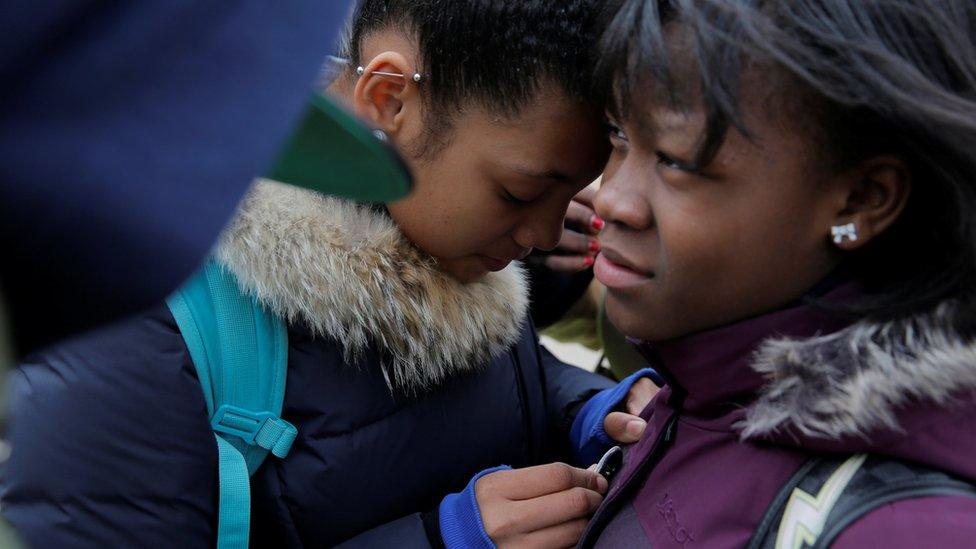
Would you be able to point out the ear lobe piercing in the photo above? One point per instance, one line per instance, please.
(381, 136)
(417, 77)
(840, 232)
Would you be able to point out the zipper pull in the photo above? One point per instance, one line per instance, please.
(611, 463)
(671, 429)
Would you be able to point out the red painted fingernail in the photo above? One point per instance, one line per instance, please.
(597, 222)
(594, 245)
(589, 261)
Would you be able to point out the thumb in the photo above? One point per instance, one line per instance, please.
(623, 427)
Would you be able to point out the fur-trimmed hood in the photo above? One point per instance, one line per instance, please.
(903, 388)
(853, 382)
(347, 272)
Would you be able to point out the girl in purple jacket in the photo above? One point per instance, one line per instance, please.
(791, 239)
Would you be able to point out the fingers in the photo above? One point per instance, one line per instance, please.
(640, 395)
(533, 482)
(625, 428)
(573, 242)
(552, 509)
(580, 218)
(586, 196)
(516, 502)
(578, 245)
(567, 263)
(567, 534)
(574, 253)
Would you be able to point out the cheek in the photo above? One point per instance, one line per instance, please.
(747, 258)
(451, 220)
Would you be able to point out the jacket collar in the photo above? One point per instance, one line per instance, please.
(348, 273)
(712, 368)
(801, 375)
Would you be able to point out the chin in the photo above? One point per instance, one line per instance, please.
(635, 320)
(466, 275)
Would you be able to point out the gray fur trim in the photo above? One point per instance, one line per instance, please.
(852, 382)
(348, 272)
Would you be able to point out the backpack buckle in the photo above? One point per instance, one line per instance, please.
(262, 429)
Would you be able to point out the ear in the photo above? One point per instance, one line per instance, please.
(380, 99)
(871, 198)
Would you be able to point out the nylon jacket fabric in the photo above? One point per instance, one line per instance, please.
(113, 447)
(402, 382)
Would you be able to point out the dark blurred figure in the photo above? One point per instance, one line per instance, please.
(129, 132)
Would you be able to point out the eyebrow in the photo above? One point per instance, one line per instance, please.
(551, 175)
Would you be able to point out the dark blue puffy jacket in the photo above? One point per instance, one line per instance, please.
(112, 446)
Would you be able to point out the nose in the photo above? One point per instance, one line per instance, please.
(541, 228)
(624, 198)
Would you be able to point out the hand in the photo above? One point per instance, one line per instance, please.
(543, 506)
(578, 246)
(627, 426)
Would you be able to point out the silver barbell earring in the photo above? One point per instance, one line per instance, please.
(417, 77)
(840, 232)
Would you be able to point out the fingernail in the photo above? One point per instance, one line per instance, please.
(597, 223)
(594, 245)
(636, 427)
(589, 261)
(601, 484)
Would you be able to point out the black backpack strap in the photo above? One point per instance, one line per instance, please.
(826, 495)
(883, 481)
(774, 513)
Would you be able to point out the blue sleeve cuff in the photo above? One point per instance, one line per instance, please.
(587, 436)
(461, 525)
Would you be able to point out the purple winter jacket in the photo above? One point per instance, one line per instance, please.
(751, 402)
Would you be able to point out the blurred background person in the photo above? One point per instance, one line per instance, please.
(129, 134)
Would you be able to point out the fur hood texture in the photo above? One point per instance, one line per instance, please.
(347, 272)
(858, 382)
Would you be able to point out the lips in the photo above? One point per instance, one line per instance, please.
(615, 272)
(493, 264)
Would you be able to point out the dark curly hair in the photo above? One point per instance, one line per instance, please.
(489, 53)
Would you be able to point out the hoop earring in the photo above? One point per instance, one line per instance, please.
(840, 232)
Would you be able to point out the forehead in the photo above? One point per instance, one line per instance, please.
(551, 133)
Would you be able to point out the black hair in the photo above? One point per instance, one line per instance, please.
(489, 53)
(873, 76)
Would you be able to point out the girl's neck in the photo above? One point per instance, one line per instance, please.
(714, 367)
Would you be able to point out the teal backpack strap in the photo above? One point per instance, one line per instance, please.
(240, 352)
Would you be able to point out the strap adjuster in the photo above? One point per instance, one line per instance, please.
(262, 429)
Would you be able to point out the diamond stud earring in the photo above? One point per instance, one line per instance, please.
(840, 232)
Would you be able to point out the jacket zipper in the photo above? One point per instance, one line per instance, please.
(531, 447)
(611, 506)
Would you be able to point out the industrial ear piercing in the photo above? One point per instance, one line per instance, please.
(417, 77)
(840, 232)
